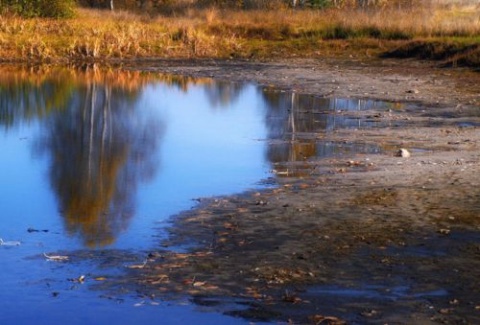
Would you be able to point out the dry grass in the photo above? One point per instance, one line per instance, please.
(214, 33)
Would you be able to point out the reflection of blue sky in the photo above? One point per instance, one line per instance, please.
(24, 196)
(336, 120)
(204, 152)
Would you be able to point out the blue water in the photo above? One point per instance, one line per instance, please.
(163, 146)
(89, 163)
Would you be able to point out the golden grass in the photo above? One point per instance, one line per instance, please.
(213, 33)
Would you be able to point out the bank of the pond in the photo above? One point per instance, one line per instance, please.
(362, 239)
(398, 80)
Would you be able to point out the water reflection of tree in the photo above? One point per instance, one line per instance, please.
(100, 149)
(286, 119)
(221, 94)
(292, 118)
(22, 100)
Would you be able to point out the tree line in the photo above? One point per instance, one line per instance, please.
(39, 8)
(246, 4)
(66, 8)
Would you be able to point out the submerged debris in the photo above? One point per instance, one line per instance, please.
(30, 230)
(9, 243)
(56, 258)
(80, 279)
(138, 266)
(330, 320)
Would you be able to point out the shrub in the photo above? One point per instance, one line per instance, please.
(57, 8)
(321, 4)
(39, 8)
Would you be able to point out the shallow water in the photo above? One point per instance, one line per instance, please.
(93, 161)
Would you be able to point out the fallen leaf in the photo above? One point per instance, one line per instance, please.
(229, 226)
(287, 297)
(444, 231)
(293, 300)
(370, 313)
(187, 281)
(326, 320)
(80, 279)
(199, 283)
(137, 266)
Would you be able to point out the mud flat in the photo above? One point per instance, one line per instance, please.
(366, 239)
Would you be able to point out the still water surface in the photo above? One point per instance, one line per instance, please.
(96, 160)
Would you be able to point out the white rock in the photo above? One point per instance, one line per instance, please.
(403, 153)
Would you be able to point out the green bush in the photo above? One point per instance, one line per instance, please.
(39, 8)
(321, 4)
(57, 8)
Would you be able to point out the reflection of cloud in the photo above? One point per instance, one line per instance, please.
(100, 149)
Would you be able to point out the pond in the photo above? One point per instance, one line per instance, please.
(97, 160)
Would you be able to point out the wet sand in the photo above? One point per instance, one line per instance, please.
(366, 239)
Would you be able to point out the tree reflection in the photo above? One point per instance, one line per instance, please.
(23, 99)
(219, 93)
(99, 145)
(100, 149)
(222, 94)
(293, 120)
(285, 122)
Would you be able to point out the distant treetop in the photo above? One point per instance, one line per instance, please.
(39, 8)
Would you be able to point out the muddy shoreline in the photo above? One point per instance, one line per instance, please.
(407, 80)
(366, 239)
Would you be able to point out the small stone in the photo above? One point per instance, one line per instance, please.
(444, 231)
(413, 91)
(445, 311)
(370, 313)
(403, 153)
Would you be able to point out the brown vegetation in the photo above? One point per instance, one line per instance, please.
(225, 33)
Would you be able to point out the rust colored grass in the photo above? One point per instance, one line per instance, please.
(214, 33)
